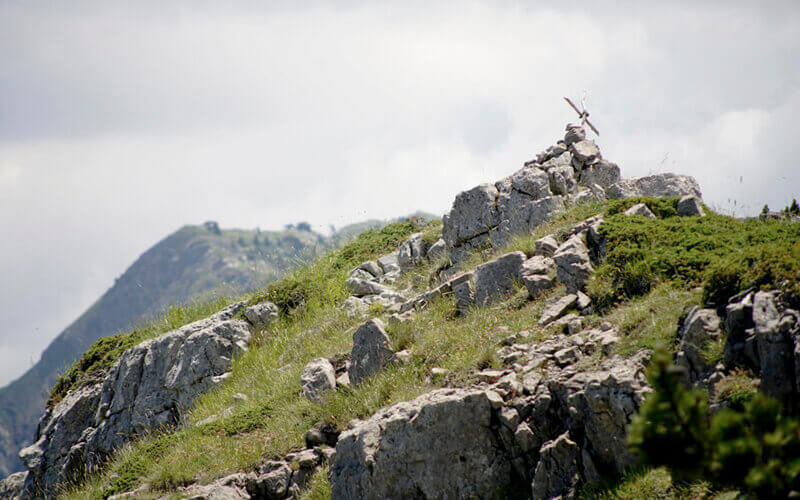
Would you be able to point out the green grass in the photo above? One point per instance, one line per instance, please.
(652, 484)
(275, 417)
(104, 352)
(719, 253)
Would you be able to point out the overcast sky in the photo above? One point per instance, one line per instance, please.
(122, 121)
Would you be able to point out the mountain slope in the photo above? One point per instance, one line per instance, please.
(192, 261)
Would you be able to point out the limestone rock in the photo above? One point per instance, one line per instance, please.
(641, 210)
(149, 387)
(538, 274)
(573, 263)
(603, 173)
(654, 185)
(690, 205)
(557, 473)
(464, 291)
(775, 333)
(546, 246)
(562, 160)
(439, 445)
(360, 287)
(585, 151)
(496, 278)
(562, 180)
(701, 327)
(11, 486)
(372, 268)
(371, 351)
(474, 212)
(575, 133)
(233, 487)
(556, 309)
(318, 377)
(437, 250)
(531, 181)
(273, 482)
(389, 263)
(261, 314)
(411, 252)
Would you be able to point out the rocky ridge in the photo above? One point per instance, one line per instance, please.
(555, 416)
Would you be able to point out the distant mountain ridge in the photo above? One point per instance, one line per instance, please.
(192, 261)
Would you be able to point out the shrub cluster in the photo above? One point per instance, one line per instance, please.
(754, 447)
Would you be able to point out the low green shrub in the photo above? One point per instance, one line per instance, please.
(753, 448)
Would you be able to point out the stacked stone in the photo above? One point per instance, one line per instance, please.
(569, 172)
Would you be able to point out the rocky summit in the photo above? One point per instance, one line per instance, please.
(561, 333)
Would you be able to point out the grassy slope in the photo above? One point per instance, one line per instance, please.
(276, 416)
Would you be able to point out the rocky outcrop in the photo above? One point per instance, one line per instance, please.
(440, 445)
(150, 387)
(490, 213)
(573, 263)
(700, 328)
(11, 487)
(655, 185)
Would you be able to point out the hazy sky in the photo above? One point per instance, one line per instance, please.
(122, 121)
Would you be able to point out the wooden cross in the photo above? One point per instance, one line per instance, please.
(583, 115)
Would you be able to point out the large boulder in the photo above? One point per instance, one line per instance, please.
(573, 263)
(439, 445)
(371, 351)
(690, 205)
(585, 151)
(496, 278)
(562, 180)
(657, 185)
(150, 387)
(474, 212)
(318, 377)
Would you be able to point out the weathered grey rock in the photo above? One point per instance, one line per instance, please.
(318, 377)
(538, 274)
(11, 486)
(233, 487)
(372, 268)
(439, 445)
(654, 185)
(562, 160)
(562, 180)
(361, 274)
(360, 288)
(641, 210)
(496, 278)
(371, 351)
(690, 205)
(389, 263)
(775, 333)
(584, 301)
(355, 306)
(150, 387)
(573, 263)
(273, 482)
(474, 212)
(603, 174)
(575, 133)
(464, 292)
(437, 250)
(546, 246)
(556, 309)
(261, 314)
(585, 151)
(700, 328)
(740, 343)
(557, 473)
(531, 181)
(411, 252)
(544, 210)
